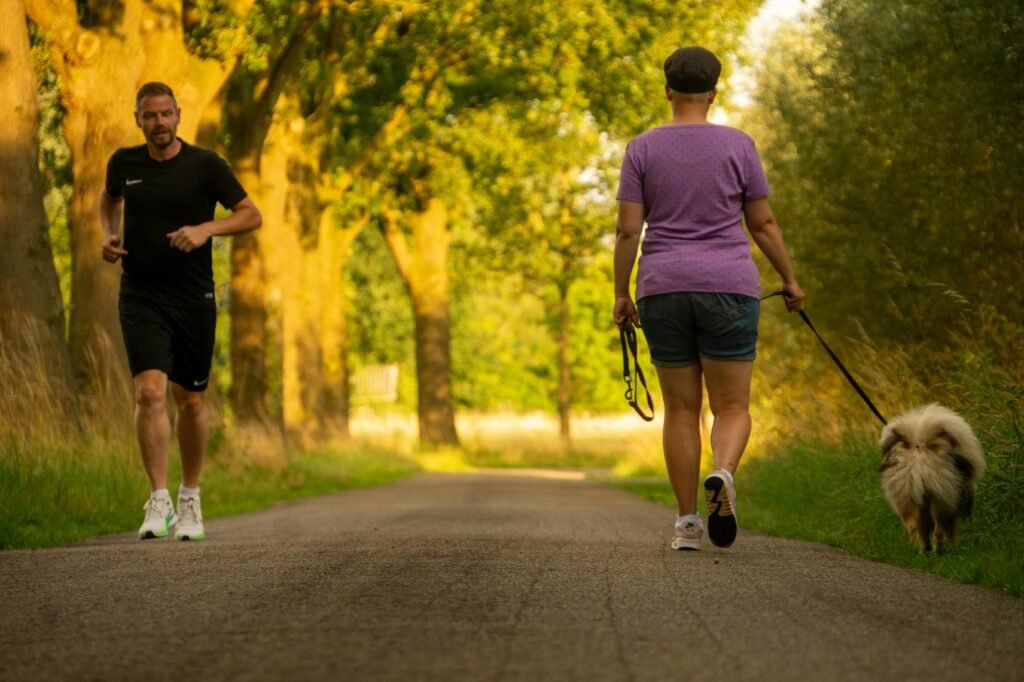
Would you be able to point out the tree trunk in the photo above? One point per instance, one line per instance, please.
(307, 263)
(425, 271)
(564, 368)
(305, 271)
(99, 77)
(248, 310)
(314, 333)
(333, 249)
(436, 416)
(249, 111)
(292, 217)
(31, 310)
(281, 264)
(565, 243)
(97, 348)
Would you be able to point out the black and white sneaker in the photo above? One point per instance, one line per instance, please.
(721, 498)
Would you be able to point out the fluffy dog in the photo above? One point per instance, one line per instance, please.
(931, 463)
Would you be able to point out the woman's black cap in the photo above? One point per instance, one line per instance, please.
(692, 69)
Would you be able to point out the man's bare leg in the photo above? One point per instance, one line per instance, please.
(152, 427)
(193, 432)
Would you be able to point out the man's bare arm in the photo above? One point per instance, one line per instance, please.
(245, 217)
(110, 220)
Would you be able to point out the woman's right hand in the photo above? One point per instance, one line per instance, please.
(625, 312)
(793, 295)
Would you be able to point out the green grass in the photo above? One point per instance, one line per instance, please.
(56, 496)
(831, 495)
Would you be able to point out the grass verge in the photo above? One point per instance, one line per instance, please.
(830, 494)
(55, 496)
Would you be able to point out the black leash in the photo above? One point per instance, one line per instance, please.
(835, 359)
(627, 336)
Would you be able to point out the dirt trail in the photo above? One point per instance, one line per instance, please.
(485, 577)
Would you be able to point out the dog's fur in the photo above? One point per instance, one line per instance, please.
(931, 463)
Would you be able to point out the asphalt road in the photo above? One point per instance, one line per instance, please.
(486, 577)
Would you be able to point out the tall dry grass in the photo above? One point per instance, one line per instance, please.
(52, 441)
(974, 369)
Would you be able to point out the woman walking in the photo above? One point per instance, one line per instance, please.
(697, 287)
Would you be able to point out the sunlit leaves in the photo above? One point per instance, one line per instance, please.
(892, 131)
(213, 30)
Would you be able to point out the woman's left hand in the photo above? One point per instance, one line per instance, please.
(793, 295)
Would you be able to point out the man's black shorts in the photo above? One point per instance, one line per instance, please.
(177, 340)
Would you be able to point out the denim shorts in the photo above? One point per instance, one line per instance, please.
(683, 327)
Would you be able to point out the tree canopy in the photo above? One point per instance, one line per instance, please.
(437, 180)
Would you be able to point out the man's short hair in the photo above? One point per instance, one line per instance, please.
(154, 88)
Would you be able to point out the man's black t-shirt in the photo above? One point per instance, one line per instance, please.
(161, 197)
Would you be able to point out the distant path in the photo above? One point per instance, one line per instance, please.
(486, 576)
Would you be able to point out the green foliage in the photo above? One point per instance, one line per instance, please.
(892, 136)
(596, 354)
(379, 315)
(212, 30)
(493, 103)
(503, 355)
(900, 163)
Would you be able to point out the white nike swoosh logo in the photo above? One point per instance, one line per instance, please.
(132, 182)
(199, 383)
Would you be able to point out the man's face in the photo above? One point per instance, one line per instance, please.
(158, 117)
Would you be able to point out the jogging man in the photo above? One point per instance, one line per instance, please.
(697, 286)
(168, 190)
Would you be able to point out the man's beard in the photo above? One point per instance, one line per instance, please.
(152, 139)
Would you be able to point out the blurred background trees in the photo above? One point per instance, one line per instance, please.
(892, 132)
(437, 180)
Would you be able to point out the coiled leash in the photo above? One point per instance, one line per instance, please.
(835, 359)
(627, 337)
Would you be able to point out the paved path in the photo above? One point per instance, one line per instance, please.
(486, 577)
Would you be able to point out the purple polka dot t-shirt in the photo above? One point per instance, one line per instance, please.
(692, 181)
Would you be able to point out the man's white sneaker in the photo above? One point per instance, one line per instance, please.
(720, 495)
(190, 520)
(689, 531)
(159, 518)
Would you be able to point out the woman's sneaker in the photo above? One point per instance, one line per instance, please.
(721, 498)
(689, 531)
(159, 518)
(190, 520)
